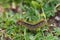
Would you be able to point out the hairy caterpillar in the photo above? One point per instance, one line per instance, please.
(30, 26)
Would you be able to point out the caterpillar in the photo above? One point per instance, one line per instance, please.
(31, 26)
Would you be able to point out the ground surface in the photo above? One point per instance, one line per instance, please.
(30, 20)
